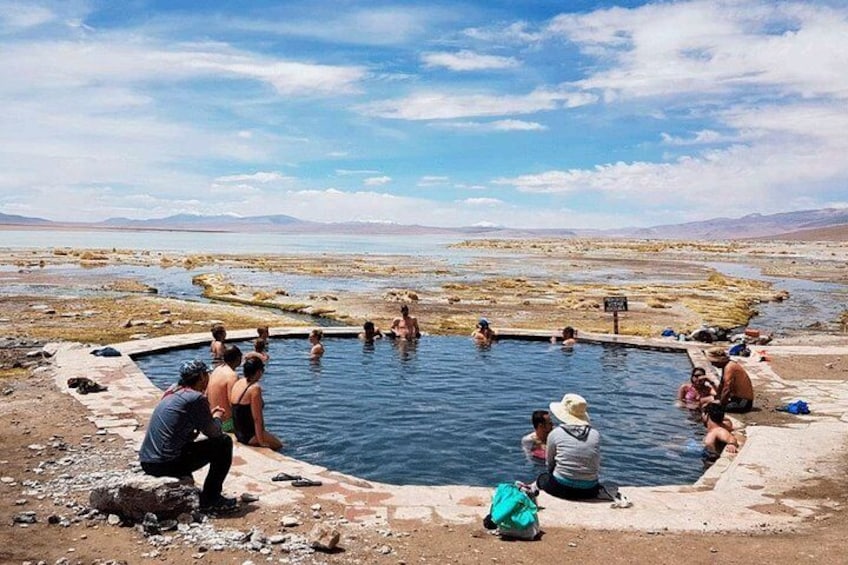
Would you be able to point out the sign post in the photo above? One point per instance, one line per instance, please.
(615, 304)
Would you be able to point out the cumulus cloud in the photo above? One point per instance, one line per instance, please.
(15, 16)
(445, 106)
(702, 137)
(352, 172)
(666, 48)
(377, 181)
(467, 61)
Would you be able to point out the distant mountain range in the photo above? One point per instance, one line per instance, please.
(826, 223)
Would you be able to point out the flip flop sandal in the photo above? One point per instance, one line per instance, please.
(286, 477)
(306, 483)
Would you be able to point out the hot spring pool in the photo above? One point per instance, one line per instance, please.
(445, 411)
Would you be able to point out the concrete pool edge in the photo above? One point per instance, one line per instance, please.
(730, 496)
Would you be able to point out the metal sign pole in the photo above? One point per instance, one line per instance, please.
(615, 322)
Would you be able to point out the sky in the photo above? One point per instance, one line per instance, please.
(534, 114)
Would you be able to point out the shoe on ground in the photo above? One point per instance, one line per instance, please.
(219, 504)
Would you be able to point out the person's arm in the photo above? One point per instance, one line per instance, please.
(257, 407)
(550, 453)
(681, 392)
(417, 332)
(726, 385)
(206, 422)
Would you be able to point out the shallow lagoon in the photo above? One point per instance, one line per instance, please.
(444, 411)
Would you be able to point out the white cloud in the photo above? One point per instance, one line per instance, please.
(432, 180)
(482, 201)
(795, 159)
(497, 125)
(445, 106)
(517, 32)
(260, 177)
(667, 48)
(351, 172)
(22, 15)
(467, 61)
(377, 181)
(702, 137)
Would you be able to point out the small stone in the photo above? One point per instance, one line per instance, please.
(277, 539)
(7, 480)
(53, 519)
(572, 544)
(113, 520)
(25, 518)
(289, 521)
(713, 550)
(324, 537)
(198, 555)
(36, 447)
(247, 497)
(316, 507)
(385, 550)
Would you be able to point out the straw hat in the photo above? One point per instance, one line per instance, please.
(571, 410)
(717, 355)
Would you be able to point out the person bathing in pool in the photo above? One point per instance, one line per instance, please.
(217, 348)
(317, 347)
(698, 391)
(221, 382)
(568, 337)
(405, 327)
(248, 408)
(534, 444)
(483, 333)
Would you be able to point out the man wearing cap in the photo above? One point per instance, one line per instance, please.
(483, 333)
(406, 327)
(169, 449)
(573, 452)
(735, 391)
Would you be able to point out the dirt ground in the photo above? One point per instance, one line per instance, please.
(95, 318)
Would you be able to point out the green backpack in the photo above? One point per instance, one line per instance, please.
(514, 513)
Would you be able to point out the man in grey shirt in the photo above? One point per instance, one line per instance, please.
(573, 452)
(169, 449)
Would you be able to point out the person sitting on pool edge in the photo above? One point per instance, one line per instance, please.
(217, 348)
(534, 444)
(405, 327)
(221, 383)
(169, 449)
(573, 455)
(317, 347)
(248, 408)
(568, 337)
(483, 333)
(370, 332)
(735, 391)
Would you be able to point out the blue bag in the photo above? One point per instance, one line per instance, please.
(514, 513)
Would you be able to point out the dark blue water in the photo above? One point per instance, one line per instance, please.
(444, 411)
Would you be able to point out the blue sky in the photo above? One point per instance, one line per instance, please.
(511, 113)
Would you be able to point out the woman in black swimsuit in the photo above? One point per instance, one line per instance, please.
(246, 398)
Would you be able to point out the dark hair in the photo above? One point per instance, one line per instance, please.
(262, 331)
(538, 417)
(715, 412)
(404, 309)
(253, 366)
(219, 331)
(318, 334)
(567, 332)
(232, 355)
(260, 344)
(368, 326)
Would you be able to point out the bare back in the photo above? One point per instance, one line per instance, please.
(221, 382)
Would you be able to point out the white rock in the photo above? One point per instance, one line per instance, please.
(289, 521)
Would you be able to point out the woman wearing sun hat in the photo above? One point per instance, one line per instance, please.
(573, 453)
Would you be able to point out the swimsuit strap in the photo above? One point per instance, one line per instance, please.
(242, 393)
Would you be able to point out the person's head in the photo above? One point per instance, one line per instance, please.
(260, 345)
(219, 332)
(567, 332)
(572, 410)
(541, 420)
(368, 328)
(253, 369)
(697, 374)
(483, 324)
(717, 356)
(714, 412)
(262, 332)
(232, 356)
(194, 374)
(404, 310)
(316, 335)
